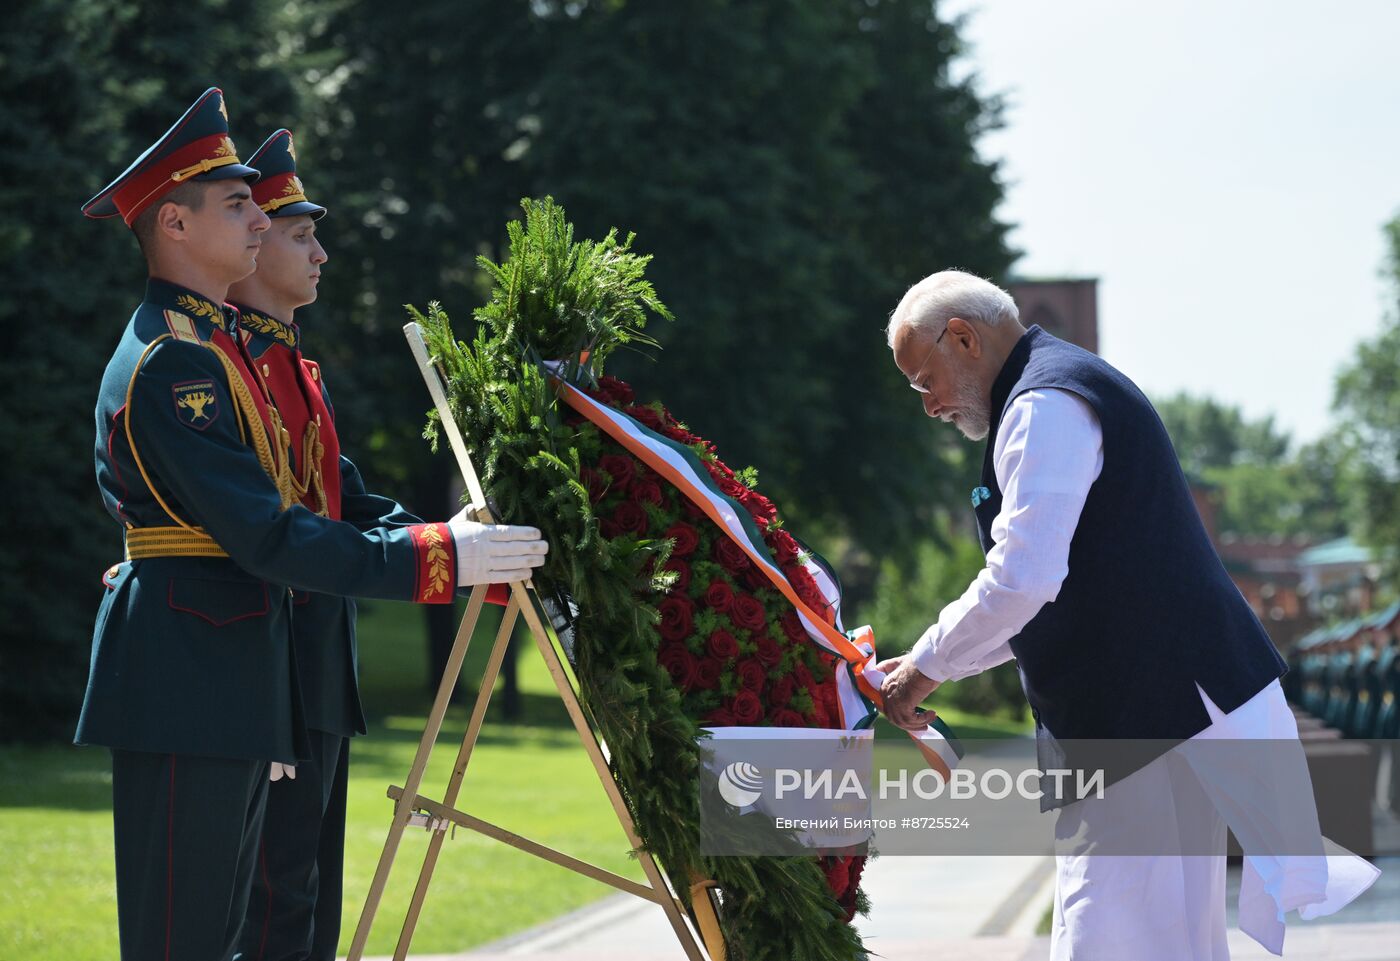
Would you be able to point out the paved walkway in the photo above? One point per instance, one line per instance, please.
(990, 914)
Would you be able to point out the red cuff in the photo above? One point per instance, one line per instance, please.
(437, 563)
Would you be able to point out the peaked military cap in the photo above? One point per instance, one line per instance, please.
(196, 148)
(280, 192)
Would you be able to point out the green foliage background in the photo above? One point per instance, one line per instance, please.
(784, 161)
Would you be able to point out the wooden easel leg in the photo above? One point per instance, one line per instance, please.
(459, 770)
(655, 878)
(404, 808)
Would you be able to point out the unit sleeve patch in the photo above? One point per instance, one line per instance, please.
(196, 403)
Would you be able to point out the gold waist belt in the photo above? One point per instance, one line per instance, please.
(143, 542)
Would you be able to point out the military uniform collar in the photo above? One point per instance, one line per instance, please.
(205, 314)
(265, 325)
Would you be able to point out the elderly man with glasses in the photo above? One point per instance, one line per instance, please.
(1103, 585)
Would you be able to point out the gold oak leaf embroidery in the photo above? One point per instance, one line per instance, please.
(201, 308)
(291, 149)
(293, 187)
(226, 148)
(266, 325)
(437, 563)
(195, 403)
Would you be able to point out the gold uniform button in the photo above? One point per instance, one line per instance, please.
(267, 371)
(114, 570)
(315, 373)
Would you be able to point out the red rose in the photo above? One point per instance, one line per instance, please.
(620, 467)
(792, 627)
(719, 717)
(630, 518)
(722, 645)
(747, 613)
(751, 674)
(608, 528)
(677, 618)
(838, 876)
(682, 436)
(692, 509)
(785, 717)
(618, 392)
(746, 708)
(646, 491)
(686, 537)
(646, 416)
(804, 677)
(857, 866)
(730, 556)
(679, 663)
(754, 579)
(783, 690)
(807, 590)
(719, 596)
(717, 467)
(730, 487)
(760, 507)
(596, 483)
(707, 673)
(682, 570)
(784, 546)
(769, 653)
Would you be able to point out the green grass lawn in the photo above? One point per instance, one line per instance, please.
(57, 894)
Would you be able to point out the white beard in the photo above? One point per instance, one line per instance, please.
(973, 417)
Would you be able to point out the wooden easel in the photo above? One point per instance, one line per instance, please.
(411, 807)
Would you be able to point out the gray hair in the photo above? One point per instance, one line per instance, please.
(940, 297)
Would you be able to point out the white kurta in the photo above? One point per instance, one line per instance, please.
(1048, 453)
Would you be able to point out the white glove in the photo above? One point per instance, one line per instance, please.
(495, 553)
(276, 770)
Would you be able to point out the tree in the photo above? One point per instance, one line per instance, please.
(784, 161)
(1208, 434)
(1368, 395)
(412, 148)
(1264, 487)
(86, 86)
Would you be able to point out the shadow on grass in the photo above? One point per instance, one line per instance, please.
(61, 776)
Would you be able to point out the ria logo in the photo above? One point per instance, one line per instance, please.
(740, 784)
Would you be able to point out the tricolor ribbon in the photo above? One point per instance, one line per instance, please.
(858, 686)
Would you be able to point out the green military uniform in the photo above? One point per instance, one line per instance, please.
(193, 680)
(294, 911)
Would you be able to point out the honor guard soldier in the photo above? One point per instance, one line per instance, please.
(193, 682)
(294, 911)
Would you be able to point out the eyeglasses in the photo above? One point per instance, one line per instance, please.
(914, 381)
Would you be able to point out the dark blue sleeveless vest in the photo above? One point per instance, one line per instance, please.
(1147, 610)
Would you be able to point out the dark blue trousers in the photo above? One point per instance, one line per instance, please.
(186, 829)
(294, 911)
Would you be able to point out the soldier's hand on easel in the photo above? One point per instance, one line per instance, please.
(495, 553)
(277, 770)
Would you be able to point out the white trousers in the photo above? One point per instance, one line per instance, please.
(1165, 907)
